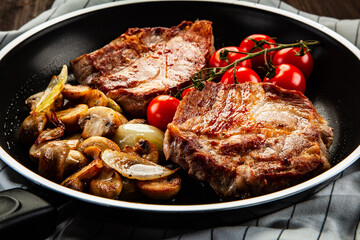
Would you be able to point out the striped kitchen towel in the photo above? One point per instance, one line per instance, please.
(332, 213)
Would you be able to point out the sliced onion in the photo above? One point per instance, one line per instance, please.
(134, 167)
(52, 91)
(130, 134)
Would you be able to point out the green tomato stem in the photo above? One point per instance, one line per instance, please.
(279, 46)
(214, 72)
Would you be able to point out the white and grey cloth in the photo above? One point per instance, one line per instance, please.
(332, 213)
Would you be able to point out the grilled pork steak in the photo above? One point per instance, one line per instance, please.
(145, 62)
(248, 139)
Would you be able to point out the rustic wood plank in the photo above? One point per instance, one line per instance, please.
(342, 9)
(15, 13)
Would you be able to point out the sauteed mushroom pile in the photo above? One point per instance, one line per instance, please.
(80, 139)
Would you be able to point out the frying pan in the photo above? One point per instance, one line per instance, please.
(27, 64)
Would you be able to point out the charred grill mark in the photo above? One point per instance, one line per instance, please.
(241, 146)
(242, 153)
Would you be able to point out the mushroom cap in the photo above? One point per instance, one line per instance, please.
(52, 160)
(100, 121)
(74, 93)
(107, 183)
(31, 128)
(94, 98)
(70, 117)
(101, 142)
(79, 180)
(162, 188)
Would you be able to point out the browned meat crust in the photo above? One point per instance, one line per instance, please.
(145, 62)
(248, 139)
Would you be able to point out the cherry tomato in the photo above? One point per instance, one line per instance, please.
(161, 111)
(304, 63)
(215, 60)
(248, 45)
(186, 91)
(288, 76)
(243, 74)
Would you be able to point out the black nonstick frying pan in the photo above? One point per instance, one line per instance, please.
(27, 64)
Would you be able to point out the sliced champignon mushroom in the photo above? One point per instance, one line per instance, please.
(93, 152)
(52, 133)
(75, 92)
(52, 160)
(100, 121)
(93, 146)
(70, 117)
(94, 98)
(74, 161)
(88, 96)
(36, 151)
(80, 180)
(73, 140)
(160, 189)
(73, 156)
(31, 127)
(134, 167)
(130, 192)
(107, 183)
(101, 142)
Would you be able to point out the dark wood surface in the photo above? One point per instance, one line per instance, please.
(15, 13)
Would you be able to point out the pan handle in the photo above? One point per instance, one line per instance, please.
(23, 213)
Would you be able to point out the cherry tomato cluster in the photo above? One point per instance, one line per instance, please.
(288, 68)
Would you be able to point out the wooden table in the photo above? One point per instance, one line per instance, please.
(15, 13)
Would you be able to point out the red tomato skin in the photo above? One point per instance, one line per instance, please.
(243, 74)
(289, 77)
(215, 60)
(304, 63)
(247, 45)
(161, 111)
(186, 91)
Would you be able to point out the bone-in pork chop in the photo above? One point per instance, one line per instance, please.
(145, 62)
(248, 139)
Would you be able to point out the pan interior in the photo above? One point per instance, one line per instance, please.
(28, 67)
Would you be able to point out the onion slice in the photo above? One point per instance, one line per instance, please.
(134, 167)
(129, 134)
